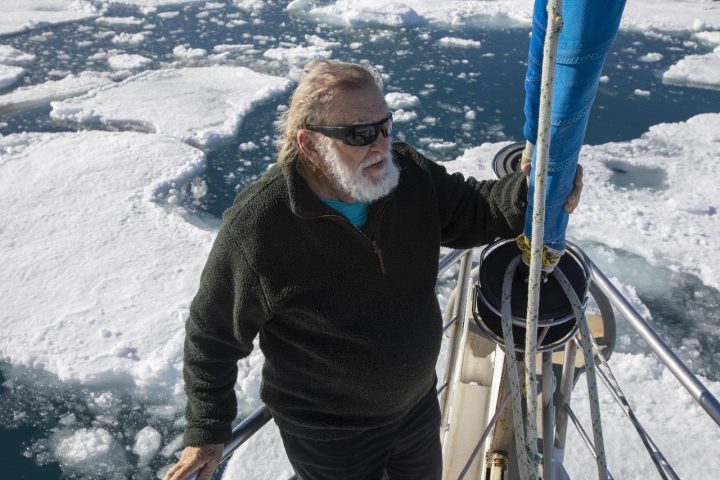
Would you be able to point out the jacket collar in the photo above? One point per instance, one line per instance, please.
(305, 203)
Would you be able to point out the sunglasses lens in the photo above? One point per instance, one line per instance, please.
(362, 135)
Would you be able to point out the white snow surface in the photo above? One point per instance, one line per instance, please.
(102, 273)
(701, 71)
(675, 225)
(22, 15)
(640, 15)
(262, 457)
(9, 75)
(200, 105)
(44, 93)
(13, 56)
(673, 419)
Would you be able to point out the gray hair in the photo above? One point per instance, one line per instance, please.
(321, 82)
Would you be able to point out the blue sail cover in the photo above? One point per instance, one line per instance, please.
(589, 29)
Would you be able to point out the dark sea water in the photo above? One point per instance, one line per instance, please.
(449, 82)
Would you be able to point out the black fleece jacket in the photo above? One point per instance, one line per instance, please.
(348, 318)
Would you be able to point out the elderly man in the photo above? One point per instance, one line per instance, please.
(331, 258)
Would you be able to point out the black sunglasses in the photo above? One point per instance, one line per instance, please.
(357, 135)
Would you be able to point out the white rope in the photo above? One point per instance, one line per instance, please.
(513, 374)
(552, 36)
(587, 349)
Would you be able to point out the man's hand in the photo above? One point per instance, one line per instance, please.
(204, 458)
(572, 201)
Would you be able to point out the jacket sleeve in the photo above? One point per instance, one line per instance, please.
(225, 316)
(476, 212)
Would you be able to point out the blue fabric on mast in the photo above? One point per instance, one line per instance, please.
(589, 30)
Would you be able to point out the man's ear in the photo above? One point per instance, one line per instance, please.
(308, 146)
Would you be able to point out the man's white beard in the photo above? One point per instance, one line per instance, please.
(359, 185)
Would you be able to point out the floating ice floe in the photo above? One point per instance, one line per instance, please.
(651, 57)
(147, 444)
(9, 75)
(102, 273)
(22, 15)
(186, 53)
(397, 100)
(299, 55)
(119, 21)
(640, 15)
(250, 5)
(151, 4)
(708, 38)
(458, 42)
(672, 222)
(13, 56)
(126, 61)
(701, 71)
(44, 93)
(199, 105)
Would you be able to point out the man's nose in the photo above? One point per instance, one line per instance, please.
(381, 143)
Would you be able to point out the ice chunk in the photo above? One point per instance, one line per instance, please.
(126, 61)
(13, 56)
(200, 105)
(299, 55)
(701, 71)
(651, 57)
(397, 100)
(708, 38)
(458, 42)
(19, 16)
(147, 443)
(9, 75)
(185, 52)
(88, 451)
(119, 21)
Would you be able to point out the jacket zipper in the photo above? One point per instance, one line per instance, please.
(377, 250)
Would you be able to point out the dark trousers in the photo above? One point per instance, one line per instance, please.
(408, 449)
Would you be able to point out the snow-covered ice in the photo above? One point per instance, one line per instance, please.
(299, 55)
(125, 61)
(263, 456)
(397, 100)
(459, 42)
(200, 105)
(19, 16)
(13, 56)
(673, 223)
(147, 444)
(9, 75)
(44, 93)
(92, 250)
(675, 422)
(640, 15)
(119, 20)
(701, 71)
(88, 450)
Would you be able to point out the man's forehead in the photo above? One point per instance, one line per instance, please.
(361, 106)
